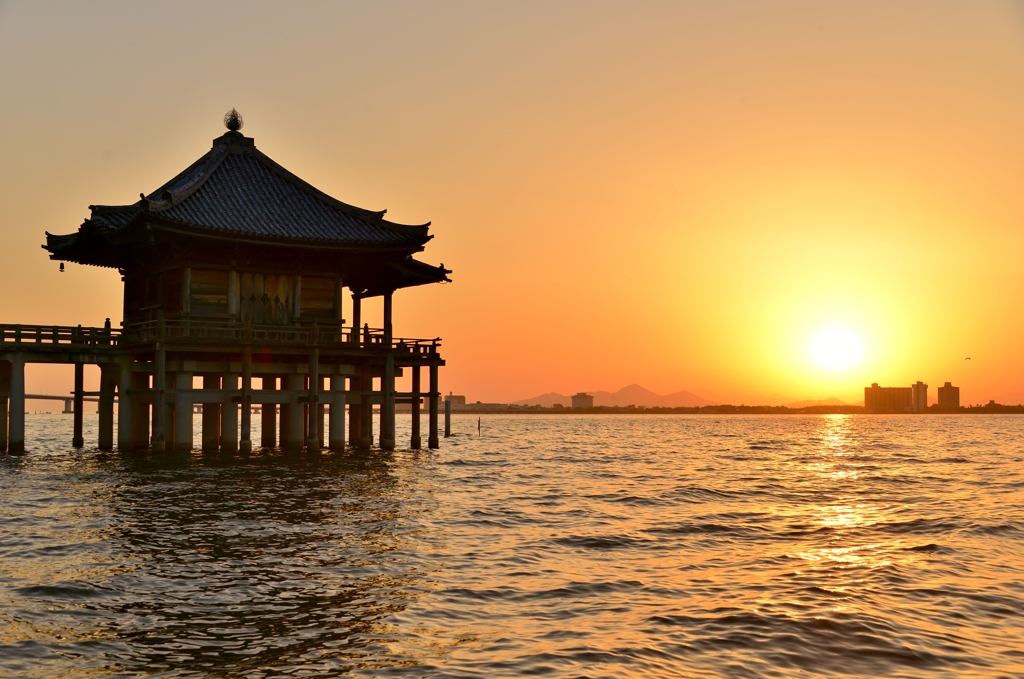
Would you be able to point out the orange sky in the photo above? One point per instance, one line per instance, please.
(682, 195)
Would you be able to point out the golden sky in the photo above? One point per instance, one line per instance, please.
(686, 195)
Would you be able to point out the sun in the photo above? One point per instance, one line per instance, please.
(837, 349)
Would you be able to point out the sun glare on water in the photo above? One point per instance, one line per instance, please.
(837, 349)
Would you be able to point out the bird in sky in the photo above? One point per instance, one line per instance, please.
(968, 358)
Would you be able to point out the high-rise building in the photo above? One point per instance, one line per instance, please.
(888, 399)
(949, 396)
(919, 394)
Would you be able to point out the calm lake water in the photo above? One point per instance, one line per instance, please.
(561, 546)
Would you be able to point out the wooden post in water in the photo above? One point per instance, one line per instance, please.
(432, 441)
(245, 446)
(313, 417)
(140, 410)
(291, 413)
(183, 412)
(5, 393)
(159, 444)
(16, 430)
(125, 404)
(77, 439)
(268, 415)
(336, 425)
(108, 383)
(211, 415)
(447, 417)
(414, 440)
(229, 415)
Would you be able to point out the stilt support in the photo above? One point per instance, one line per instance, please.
(77, 439)
(432, 441)
(414, 441)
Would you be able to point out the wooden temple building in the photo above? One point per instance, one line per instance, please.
(235, 272)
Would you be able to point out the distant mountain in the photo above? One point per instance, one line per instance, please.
(633, 394)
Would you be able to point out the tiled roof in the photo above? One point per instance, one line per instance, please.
(235, 190)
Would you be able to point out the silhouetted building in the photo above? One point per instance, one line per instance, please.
(888, 399)
(582, 400)
(919, 396)
(456, 400)
(949, 396)
(235, 271)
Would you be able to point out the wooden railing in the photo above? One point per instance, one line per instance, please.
(336, 336)
(333, 336)
(64, 335)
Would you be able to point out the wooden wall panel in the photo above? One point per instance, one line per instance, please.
(208, 293)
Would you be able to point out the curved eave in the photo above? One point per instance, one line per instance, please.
(174, 226)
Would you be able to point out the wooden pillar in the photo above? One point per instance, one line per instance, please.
(357, 314)
(159, 444)
(233, 294)
(447, 417)
(321, 411)
(355, 412)
(291, 414)
(387, 383)
(245, 446)
(16, 416)
(5, 394)
(229, 415)
(366, 412)
(183, 412)
(140, 410)
(387, 407)
(313, 410)
(211, 416)
(336, 428)
(339, 287)
(296, 298)
(108, 383)
(77, 439)
(432, 441)
(415, 441)
(186, 290)
(125, 404)
(268, 415)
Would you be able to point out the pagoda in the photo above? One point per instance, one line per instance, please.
(236, 270)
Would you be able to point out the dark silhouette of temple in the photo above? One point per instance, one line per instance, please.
(236, 269)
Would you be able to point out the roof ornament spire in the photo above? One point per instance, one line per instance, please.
(233, 120)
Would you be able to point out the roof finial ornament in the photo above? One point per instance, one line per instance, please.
(233, 120)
